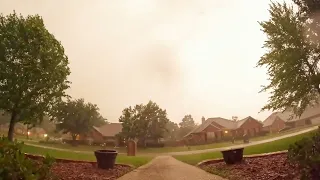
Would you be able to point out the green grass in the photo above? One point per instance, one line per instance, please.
(131, 160)
(278, 145)
(154, 151)
(141, 151)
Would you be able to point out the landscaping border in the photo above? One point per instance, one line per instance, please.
(210, 161)
(94, 164)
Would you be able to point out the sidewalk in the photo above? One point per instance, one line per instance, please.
(241, 145)
(168, 168)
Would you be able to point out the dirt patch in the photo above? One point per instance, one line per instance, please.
(275, 167)
(86, 171)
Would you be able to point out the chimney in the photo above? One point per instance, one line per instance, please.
(203, 120)
(234, 118)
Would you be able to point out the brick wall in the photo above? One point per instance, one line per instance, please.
(251, 127)
(276, 126)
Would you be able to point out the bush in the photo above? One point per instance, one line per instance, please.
(15, 166)
(49, 142)
(306, 153)
(154, 145)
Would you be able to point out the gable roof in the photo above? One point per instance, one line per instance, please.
(242, 121)
(270, 119)
(109, 130)
(225, 123)
(310, 112)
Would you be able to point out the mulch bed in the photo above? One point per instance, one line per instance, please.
(273, 167)
(86, 171)
(80, 170)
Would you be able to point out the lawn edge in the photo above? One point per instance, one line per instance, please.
(93, 163)
(210, 161)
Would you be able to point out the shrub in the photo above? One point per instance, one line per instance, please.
(306, 153)
(50, 142)
(15, 166)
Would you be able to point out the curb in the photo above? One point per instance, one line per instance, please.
(211, 161)
(93, 163)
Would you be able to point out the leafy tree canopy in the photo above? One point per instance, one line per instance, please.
(144, 121)
(186, 125)
(172, 132)
(292, 59)
(33, 69)
(76, 117)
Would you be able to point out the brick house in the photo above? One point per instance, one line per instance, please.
(273, 123)
(215, 129)
(310, 116)
(104, 134)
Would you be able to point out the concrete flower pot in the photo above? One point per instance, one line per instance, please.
(106, 158)
(233, 156)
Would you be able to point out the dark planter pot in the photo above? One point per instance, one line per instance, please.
(233, 156)
(106, 158)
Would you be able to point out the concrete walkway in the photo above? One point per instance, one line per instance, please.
(168, 168)
(242, 145)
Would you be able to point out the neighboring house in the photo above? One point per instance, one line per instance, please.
(218, 128)
(104, 134)
(273, 123)
(21, 129)
(37, 131)
(310, 116)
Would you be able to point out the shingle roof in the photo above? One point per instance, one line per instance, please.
(226, 123)
(310, 112)
(109, 130)
(230, 124)
(270, 119)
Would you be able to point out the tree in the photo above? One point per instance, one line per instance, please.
(292, 60)
(4, 118)
(186, 125)
(144, 121)
(172, 132)
(76, 117)
(33, 69)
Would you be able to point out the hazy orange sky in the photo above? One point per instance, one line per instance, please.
(190, 56)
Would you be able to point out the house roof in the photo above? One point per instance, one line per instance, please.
(270, 119)
(287, 116)
(225, 123)
(109, 130)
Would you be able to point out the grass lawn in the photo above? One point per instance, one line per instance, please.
(132, 160)
(140, 150)
(165, 149)
(279, 145)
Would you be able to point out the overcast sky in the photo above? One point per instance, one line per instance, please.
(190, 56)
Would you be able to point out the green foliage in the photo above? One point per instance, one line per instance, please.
(14, 165)
(144, 121)
(76, 117)
(172, 132)
(4, 118)
(34, 69)
(306, 152)
(292, 60)
(186, 125)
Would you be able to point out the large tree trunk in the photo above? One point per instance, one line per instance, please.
(11, 126)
